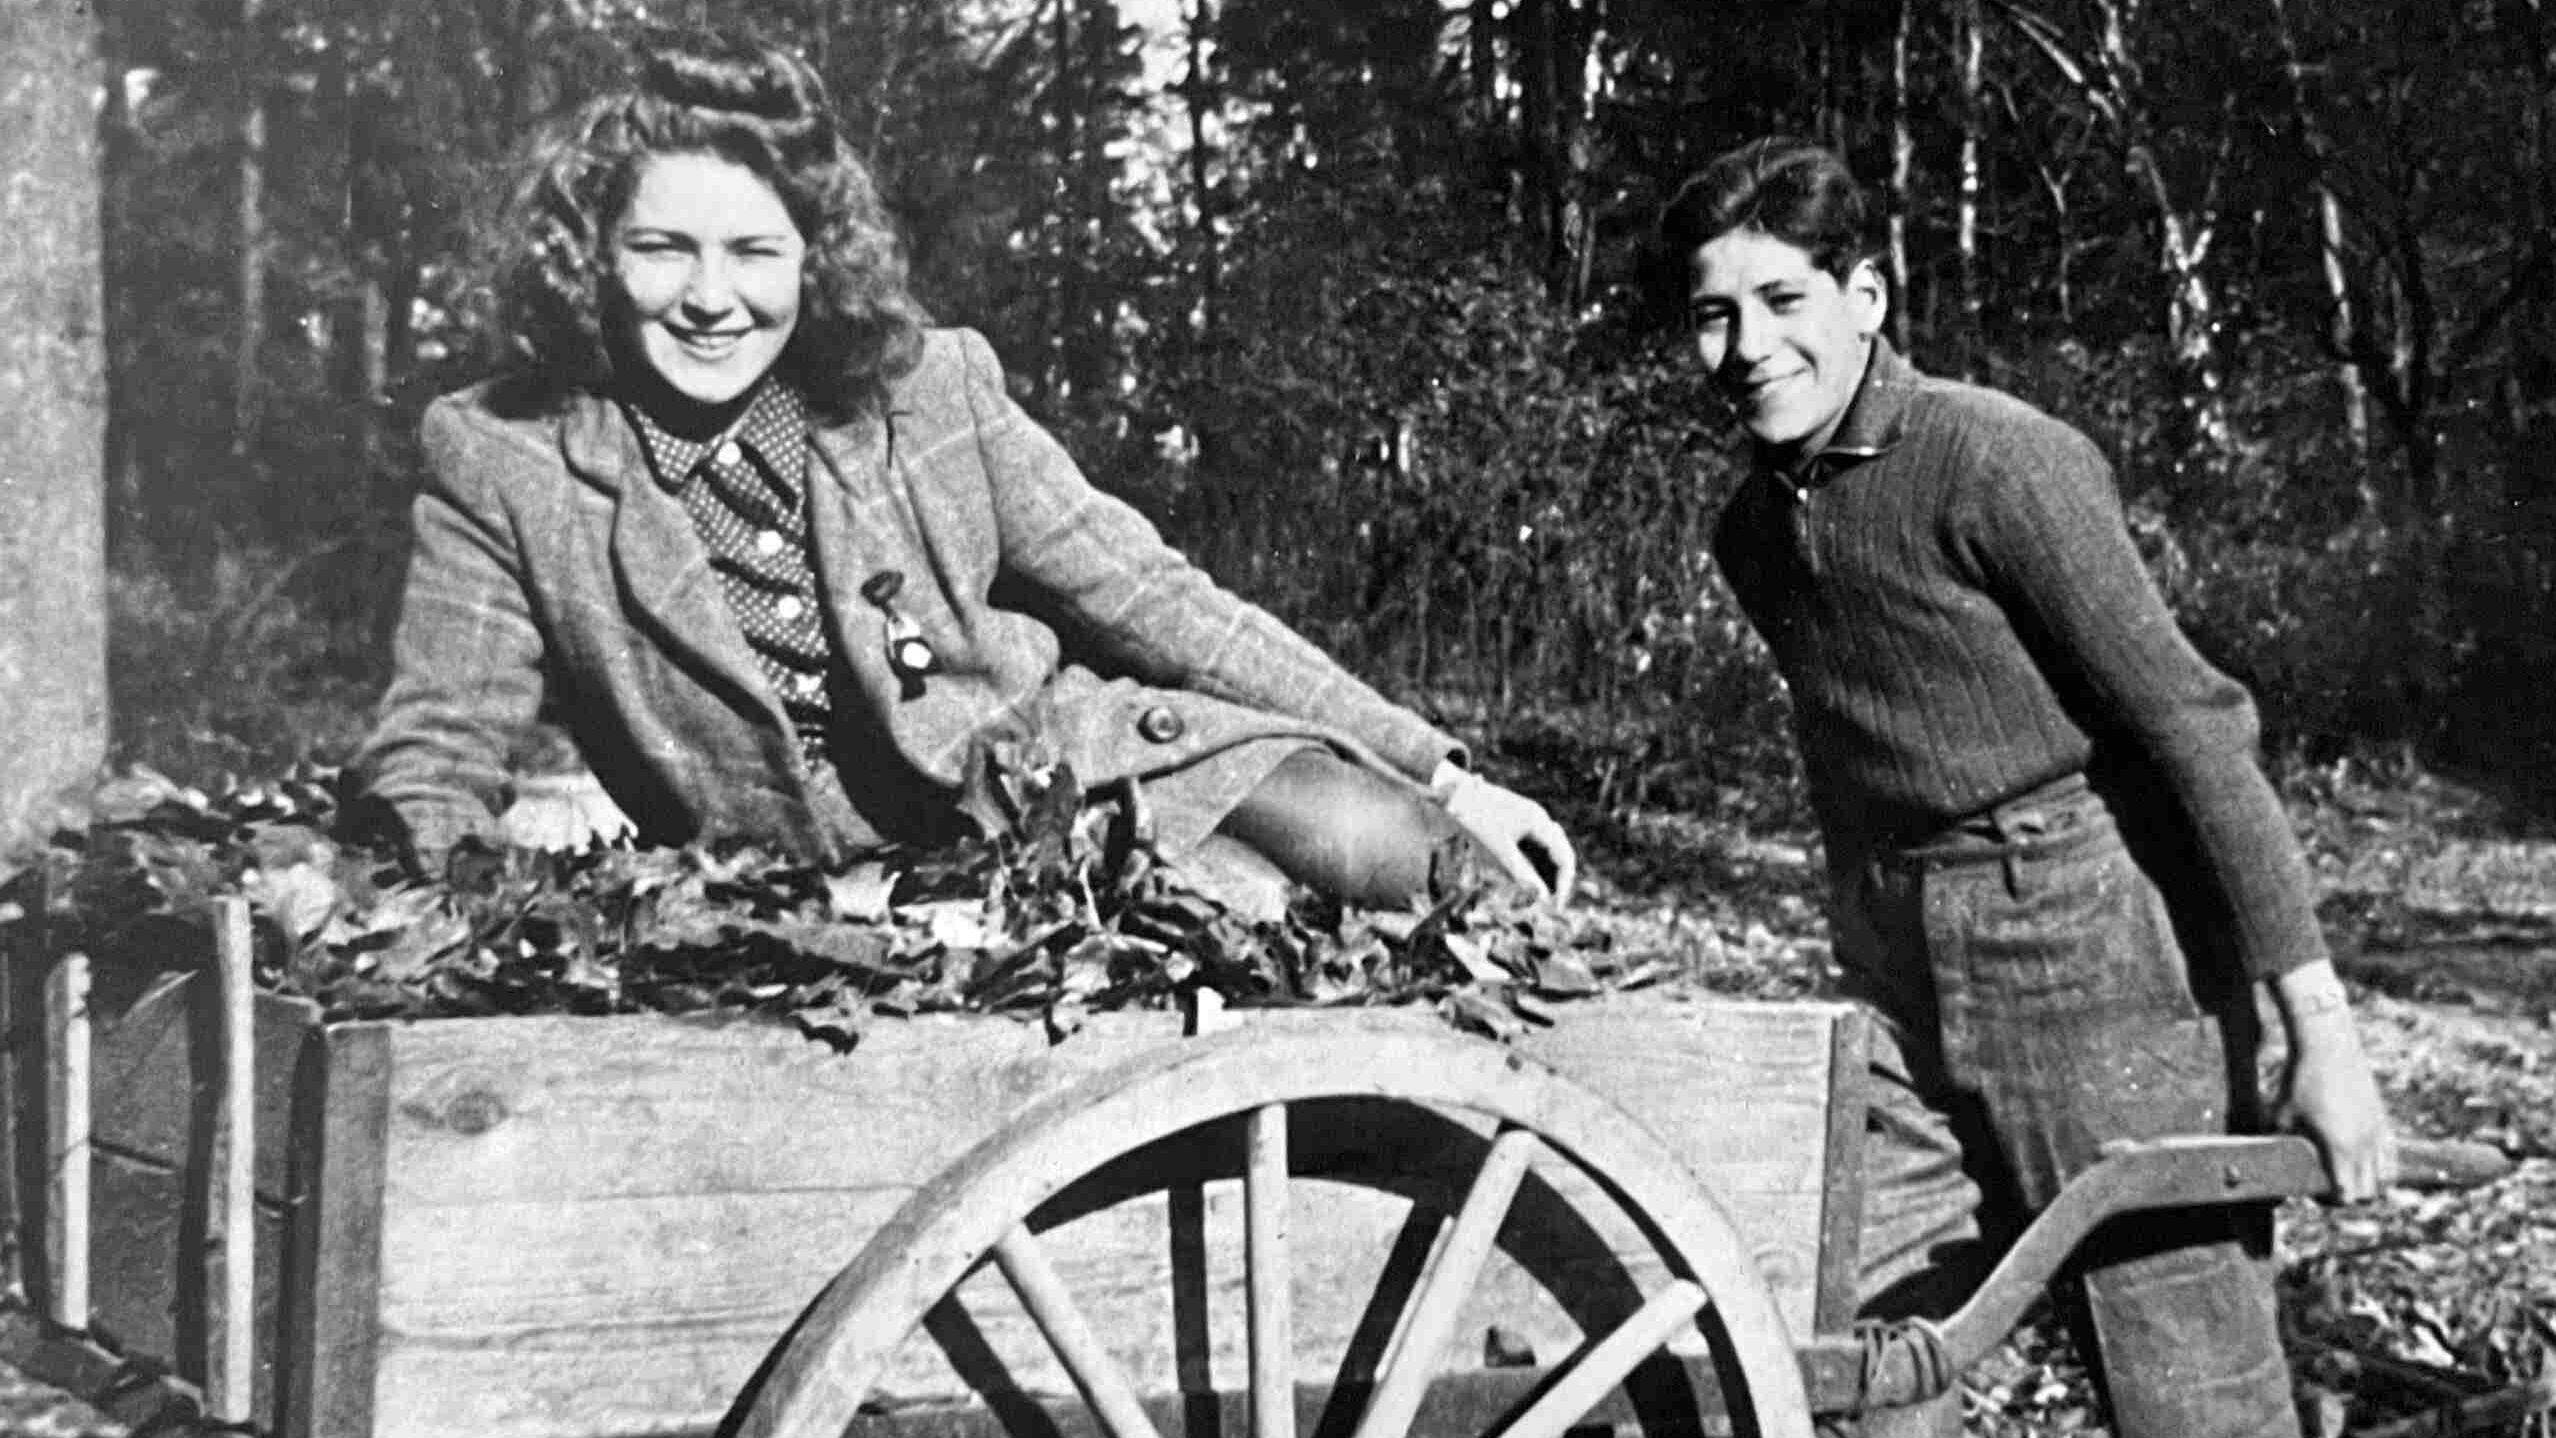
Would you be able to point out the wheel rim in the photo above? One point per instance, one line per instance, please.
(978, 1210)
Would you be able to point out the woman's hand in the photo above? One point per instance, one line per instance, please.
(2328, 1090)
(1529, 846)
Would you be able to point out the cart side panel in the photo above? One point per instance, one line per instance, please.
(596, 1227)
(1742, 1092)
(151, 1136)
(332, 1298)
(599, 1227)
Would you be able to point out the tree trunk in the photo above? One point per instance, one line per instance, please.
(2191, 312)
(124, 498)
(1199, 92)
(2533, 371)
(1903, 171)
(2412, 360)
(2054, 176)
(1581, 179)
(1091, 345)
(1974, 120)
(251, 293)
(1540, 113)
(1063, 293)
(53, 695)
(2116, 96)
(2329, 230)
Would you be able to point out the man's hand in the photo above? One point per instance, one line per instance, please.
(1529, 846)
(2328, 1090)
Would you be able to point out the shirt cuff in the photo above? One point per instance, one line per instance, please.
(1450, 776)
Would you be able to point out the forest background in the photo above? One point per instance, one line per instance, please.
(1348, 294)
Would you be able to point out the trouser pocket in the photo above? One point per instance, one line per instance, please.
(2067, 1008)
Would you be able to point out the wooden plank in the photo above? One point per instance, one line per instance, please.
(1837, 1291)
(147, 1069)
(677, 1353)
(569, 1109)
(227, 1185)
(148, 1282)
(330, 1308)
(162, 1291)
(600, 1226)
(23, 951)
(66, 1141)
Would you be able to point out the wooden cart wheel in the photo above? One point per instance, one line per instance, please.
(978, 1209)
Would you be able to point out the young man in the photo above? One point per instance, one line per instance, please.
(2057, 868)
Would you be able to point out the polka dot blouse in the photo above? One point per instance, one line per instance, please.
(746, 491)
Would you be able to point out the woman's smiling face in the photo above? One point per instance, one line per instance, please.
(708, 263)
(1785, 340)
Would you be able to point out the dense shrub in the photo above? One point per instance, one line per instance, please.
(241, 671)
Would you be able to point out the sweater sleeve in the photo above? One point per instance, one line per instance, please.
(1106, 570)
(2054, 547)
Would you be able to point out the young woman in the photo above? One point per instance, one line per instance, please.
(790, 564)
(2057, 869)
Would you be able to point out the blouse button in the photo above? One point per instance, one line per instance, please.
(729, 453)
(768, 543)
(790, 607)
(806, 685)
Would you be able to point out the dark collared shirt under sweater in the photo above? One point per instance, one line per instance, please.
(1952, 595)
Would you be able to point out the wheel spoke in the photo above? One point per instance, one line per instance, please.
(1414, 1354)
(1269, 1276)
(1603, 1365)
(1096, 1374)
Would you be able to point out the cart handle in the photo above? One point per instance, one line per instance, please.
(2140, 1178)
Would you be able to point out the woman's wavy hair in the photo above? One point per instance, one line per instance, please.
(754, 105)
(1796, 190)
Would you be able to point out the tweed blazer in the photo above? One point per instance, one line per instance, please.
(549, 567)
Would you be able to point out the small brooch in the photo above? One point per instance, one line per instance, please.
(909, 654)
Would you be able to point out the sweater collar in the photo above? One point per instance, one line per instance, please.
(1873, 422)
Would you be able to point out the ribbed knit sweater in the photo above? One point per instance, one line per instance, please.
(1951, 594)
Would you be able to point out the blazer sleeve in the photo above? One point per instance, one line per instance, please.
(466, 656)
(1106, 571)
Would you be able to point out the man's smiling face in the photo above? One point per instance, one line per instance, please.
(1785, 340)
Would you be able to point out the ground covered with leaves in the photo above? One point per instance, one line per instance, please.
(2442, 908)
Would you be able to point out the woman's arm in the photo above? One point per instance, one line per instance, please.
(1110, 575)
(466, 660)
(1107, 573)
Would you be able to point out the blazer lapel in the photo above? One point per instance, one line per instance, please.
(659, 563)
(858, 530)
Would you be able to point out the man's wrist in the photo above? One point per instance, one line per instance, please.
(2312, 997)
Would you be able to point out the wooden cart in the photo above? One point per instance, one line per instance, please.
(1342, 1223)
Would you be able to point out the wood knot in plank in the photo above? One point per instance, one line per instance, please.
(469, 1113)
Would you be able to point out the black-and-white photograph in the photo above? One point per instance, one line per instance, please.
(1278, 718)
